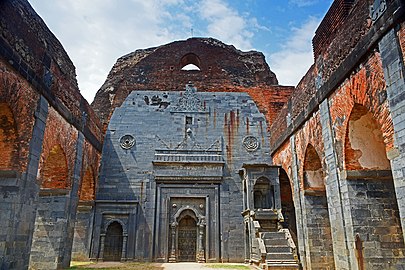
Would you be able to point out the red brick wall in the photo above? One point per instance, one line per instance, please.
(310, 133)
(89, 173)
(223, 68)
(22, 101)
(58, 133)
(367, 88)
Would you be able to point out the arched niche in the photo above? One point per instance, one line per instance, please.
(364, 142)
(313, 174)
(8, 136)
(88, 185)
(190, 61)
(54, 173)
(316, 213)
(263, 194)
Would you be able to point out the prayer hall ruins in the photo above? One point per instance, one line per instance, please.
(215, 164)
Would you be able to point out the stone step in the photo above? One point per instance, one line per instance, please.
(278, 249)
(273, 235)
(282, 266)
(276, 242)
(279, 256)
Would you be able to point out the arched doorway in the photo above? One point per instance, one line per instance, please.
(187, 239)
(287, 205)
(376, 233)
(113, 242)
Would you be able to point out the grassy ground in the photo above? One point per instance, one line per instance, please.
(143, 266)
(116, 266)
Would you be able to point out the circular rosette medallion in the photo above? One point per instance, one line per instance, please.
(127, 141)
(251, 143)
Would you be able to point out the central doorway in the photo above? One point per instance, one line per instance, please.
(113, 242)
(187, 239)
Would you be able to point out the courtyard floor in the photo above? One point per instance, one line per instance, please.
(158, 266)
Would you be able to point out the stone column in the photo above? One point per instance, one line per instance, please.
(124, 247)
(298, 203)
(101, 251)
(173, 257)
(201, 250)
(333, 185)
(394, 74)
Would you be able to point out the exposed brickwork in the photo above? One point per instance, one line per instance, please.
(346, 37)
(89, 173)
(21, 99)
(55, 172)
(34, 52)
(222, 68)
(61, 134)
(331, 23)
(367, 88)
(8, 135)
(310, 134)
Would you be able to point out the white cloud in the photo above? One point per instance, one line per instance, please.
(95, 35)
(296, 56)
(226, 24)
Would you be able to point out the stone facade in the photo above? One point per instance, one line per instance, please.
(173, 153)
(232, 168)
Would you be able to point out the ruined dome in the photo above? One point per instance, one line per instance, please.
(218, 67)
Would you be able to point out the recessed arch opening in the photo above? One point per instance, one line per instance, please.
(263, 194)
(87, 189)
(313, 174)
(316, 211)
(190, 62)
(54, 173)
(8, 136)
(113, 242)
(377, 233)
(364, 142)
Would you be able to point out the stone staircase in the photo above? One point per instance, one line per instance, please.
(280, 253)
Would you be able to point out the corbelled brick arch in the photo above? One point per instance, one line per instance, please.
(8, 136)
(54, 174)
(87, 188)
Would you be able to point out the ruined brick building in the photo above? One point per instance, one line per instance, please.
(216, 164)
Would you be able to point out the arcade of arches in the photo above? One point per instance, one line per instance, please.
(193, 152)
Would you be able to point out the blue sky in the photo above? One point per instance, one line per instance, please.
(96, 33)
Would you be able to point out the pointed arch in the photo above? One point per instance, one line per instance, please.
(313, 178)
(364, 143)
(190, 60)
(8, 136)
(87, 189)
(54, 174)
